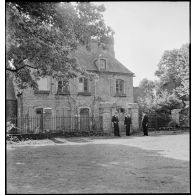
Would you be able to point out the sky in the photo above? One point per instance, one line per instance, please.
(144, 30)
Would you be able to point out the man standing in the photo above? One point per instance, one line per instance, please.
(127, 123)
(145, 124)
(115, 122)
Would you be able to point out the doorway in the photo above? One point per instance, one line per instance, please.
(84, 119)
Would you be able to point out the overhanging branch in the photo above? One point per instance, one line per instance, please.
(17, 69)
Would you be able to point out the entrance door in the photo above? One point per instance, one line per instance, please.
(39, 119)
(84, 119)
(47, 118)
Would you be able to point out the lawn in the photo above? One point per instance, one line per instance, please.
(90, 165)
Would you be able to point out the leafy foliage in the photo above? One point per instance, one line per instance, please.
(41, 37)
(172, 88)
(173, 71)
(147, 87)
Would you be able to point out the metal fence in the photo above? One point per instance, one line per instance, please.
(158, 122)
(54, 124)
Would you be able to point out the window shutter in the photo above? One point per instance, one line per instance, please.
(54, 86)
(112, 87)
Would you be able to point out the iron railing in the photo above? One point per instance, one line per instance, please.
(42, 124)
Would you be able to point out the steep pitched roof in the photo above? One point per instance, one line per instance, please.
(86, 60)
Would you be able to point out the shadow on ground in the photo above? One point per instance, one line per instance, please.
(56, 141)
(94, 168)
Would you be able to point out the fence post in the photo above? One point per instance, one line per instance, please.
(156, 123)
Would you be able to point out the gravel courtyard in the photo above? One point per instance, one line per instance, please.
(157, 163)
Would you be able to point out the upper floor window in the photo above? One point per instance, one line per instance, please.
(83, 85)
(119, 86)
(101, 64)
(63, 87)
(43, 86)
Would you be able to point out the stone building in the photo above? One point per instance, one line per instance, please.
(81, 97)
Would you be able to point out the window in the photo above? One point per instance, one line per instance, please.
(120, 110)
(63, 87)
(101, 64)
(119, 86)
(43, 84)
(83, 87)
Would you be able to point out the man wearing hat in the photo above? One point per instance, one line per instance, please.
(115, 122)
(145, 124)
(127, 123)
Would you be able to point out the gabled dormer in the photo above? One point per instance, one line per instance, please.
(101, 64)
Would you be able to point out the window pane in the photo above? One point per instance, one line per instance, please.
(117, 86)
(63, 86)
(102, 64)
(121, 86)
(80, 87)
(85, 84)
(80, 80)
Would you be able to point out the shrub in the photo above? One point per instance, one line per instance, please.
(173, 124)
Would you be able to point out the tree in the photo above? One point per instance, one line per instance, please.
(167, 70)
(163, 102)
(147, 88)
(183, 72)
(173, 71)
(41, 38)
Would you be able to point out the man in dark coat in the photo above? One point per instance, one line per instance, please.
(127, 123)
(115, 122)
(145, 124)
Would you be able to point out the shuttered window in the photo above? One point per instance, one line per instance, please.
(83, 85)
(119, 86)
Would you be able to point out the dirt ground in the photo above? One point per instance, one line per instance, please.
(157, 163)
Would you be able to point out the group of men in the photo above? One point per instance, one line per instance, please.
(127, 123)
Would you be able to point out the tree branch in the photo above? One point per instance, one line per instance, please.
(17, 69)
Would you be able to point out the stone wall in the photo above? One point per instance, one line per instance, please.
(101, 102)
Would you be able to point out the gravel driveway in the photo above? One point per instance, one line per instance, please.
(97, 165)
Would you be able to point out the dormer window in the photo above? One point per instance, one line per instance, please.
(101, 64)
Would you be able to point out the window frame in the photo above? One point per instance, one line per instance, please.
(85, 86)
(43, 91)
(120, 87)
(96, 62)
(64, 84)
